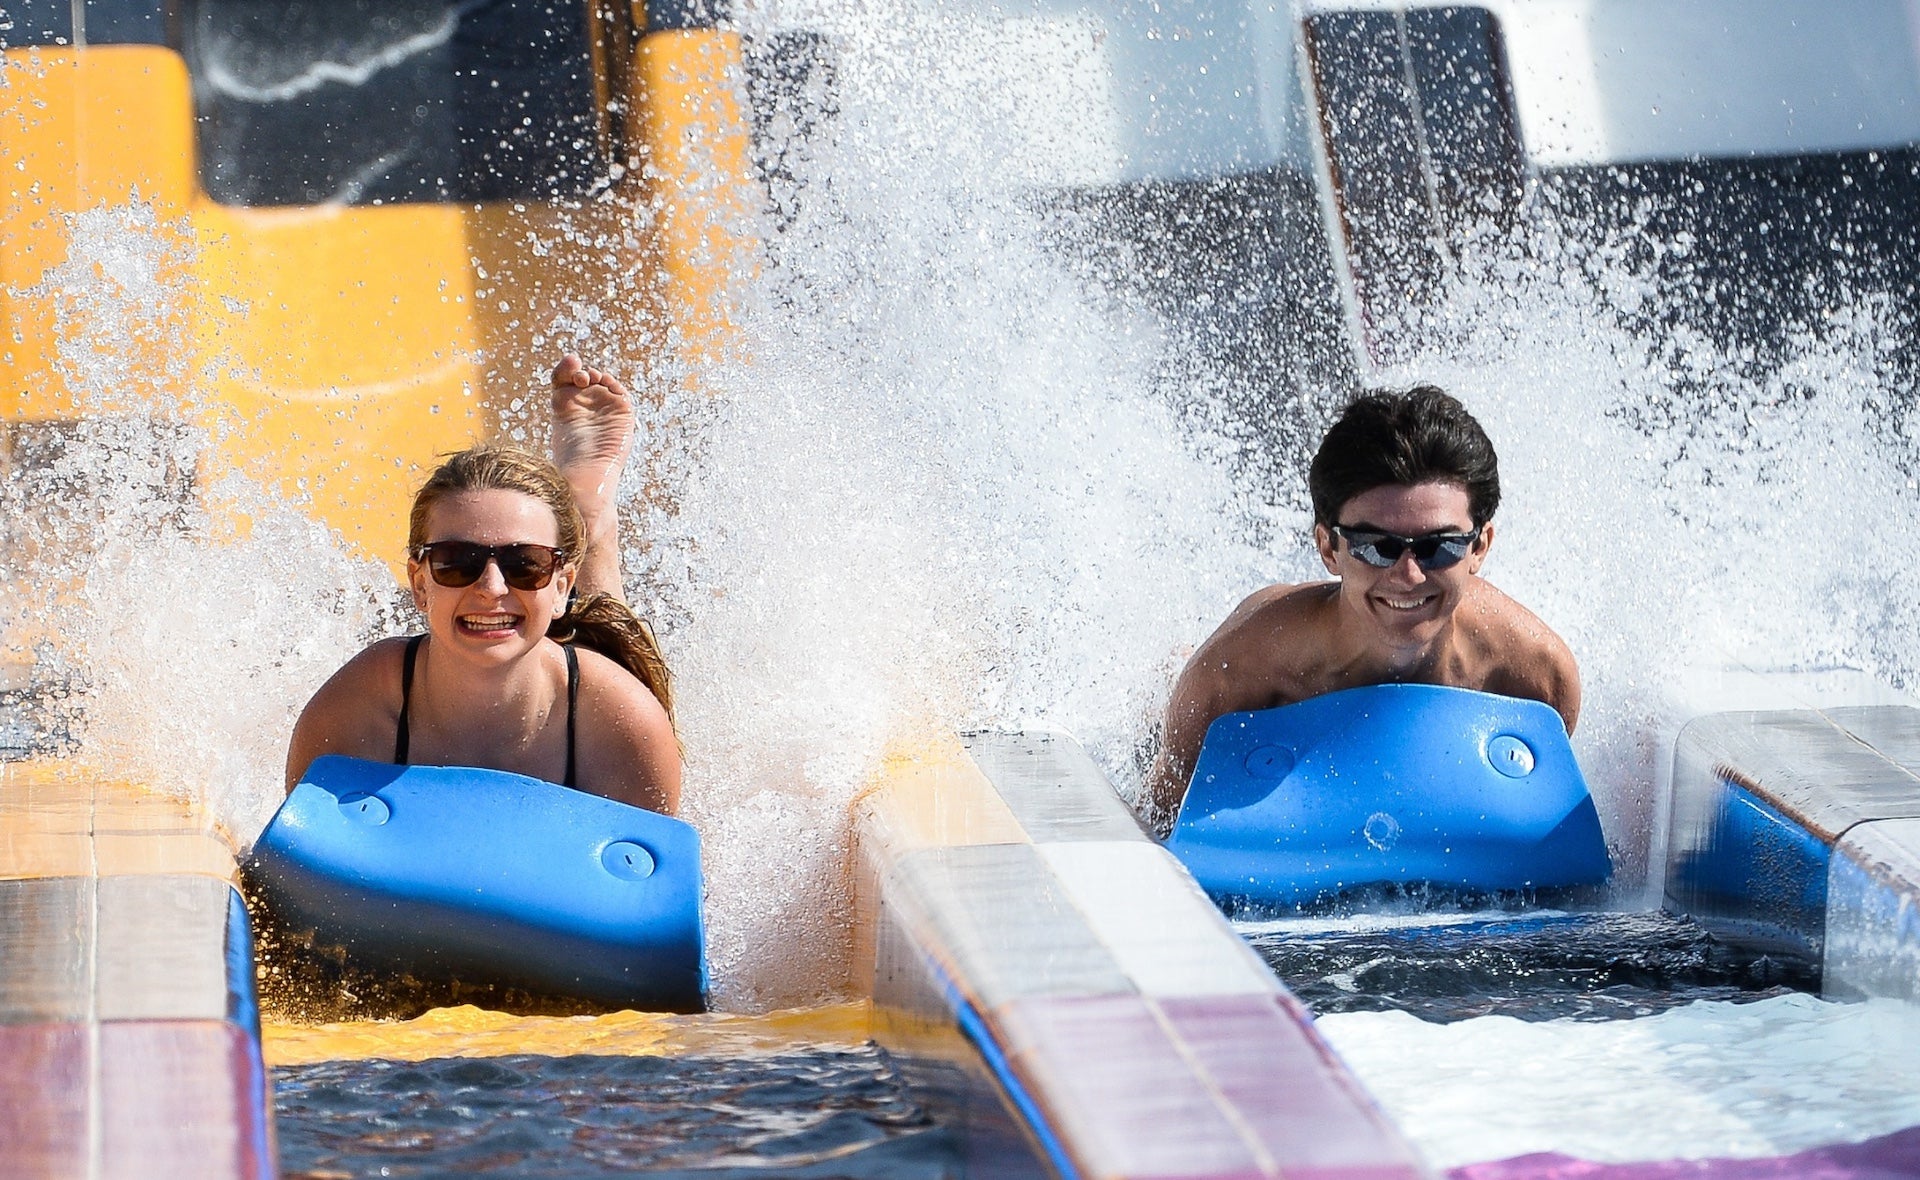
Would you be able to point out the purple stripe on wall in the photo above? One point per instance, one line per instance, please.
(1288, 1088)
(1116, 1089)
(178, 1098)
(43, 1101)
(1216, 1086)
(181, 1098)
(1890, 1157)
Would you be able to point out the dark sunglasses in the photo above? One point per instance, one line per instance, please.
(1431, 551)
(460, 563)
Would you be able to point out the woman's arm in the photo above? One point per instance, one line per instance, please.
(626, 747)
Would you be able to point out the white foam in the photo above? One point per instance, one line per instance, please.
(1711, 1079)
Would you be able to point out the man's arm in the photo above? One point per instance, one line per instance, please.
(1563, 683)
(1196, 702)
(1231, 671)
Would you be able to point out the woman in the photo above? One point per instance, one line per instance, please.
(531, 662)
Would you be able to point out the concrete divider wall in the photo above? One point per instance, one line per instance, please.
(129, 1035)
(1801, 829)
(1028, 941)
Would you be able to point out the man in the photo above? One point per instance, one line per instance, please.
(1404, 489)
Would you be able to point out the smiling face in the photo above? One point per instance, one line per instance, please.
(489, 620)
(1404, 606)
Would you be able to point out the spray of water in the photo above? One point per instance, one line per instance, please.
(1672, 502)
(939, 490)
(950, 479)
(177, 621)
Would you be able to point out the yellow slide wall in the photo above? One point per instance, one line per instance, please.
(335, 350)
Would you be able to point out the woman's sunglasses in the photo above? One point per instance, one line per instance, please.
(1431, 551)
(460, 563)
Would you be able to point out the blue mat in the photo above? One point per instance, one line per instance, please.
(1396, 784)
(489, 878)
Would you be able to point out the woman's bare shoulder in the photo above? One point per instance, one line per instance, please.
(354, 712)
(627, 748)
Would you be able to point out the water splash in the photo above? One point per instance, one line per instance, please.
(179, 622)
(1673, 501)
(961, 471)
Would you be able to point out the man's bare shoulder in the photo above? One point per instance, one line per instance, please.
(1269, 613)
(1277, 604)
(1515, 653)
(1256, 656)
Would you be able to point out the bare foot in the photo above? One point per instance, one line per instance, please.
(592, 437)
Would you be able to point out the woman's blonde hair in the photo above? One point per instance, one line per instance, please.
(599, 621)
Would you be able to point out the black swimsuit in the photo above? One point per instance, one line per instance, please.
(400, 735)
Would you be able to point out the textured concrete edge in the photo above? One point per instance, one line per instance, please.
(1801, 829)
(129, 990)
(1085, 976)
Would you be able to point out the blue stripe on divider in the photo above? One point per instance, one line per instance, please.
(243, 1004)
(243, 1010)
(974, 1027)
(1756, 869)
(259, 1095)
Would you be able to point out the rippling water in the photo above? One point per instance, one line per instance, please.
(1531, 967)
(820, 1113)
(465, 1092)
(828, 1112)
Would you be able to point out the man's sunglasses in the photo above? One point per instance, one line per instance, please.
(460, 563)
(1431, 551)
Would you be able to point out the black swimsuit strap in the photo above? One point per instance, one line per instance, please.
(400, 735)
(573, 705)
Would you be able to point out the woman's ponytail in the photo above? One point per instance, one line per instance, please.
(605, 624)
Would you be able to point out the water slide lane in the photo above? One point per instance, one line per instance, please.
(128, 1024)
(1017, 922)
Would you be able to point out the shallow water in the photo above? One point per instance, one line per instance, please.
(1606, 966)
(824, 1112)
(465, 1092)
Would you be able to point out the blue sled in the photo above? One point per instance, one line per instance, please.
(489, 878)
(1397, 784)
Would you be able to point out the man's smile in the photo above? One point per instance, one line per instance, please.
(1406, 602)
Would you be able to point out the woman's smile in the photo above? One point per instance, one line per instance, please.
(491, 618)
(489, 624)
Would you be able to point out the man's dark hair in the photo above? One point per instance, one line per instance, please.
(1419, 436)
